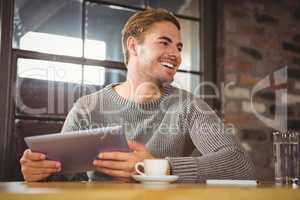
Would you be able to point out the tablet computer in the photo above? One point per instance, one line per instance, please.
(76, 150)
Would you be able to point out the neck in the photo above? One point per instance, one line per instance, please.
(138, 90)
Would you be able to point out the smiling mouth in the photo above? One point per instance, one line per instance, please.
(167, 65)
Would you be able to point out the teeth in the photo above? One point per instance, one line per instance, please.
(166, 64)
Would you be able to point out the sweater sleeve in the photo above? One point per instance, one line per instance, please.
(222, 156)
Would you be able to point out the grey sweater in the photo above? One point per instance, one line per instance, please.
(171, 127)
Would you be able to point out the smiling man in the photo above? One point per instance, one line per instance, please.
(161, 121)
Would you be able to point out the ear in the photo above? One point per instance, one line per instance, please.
(132, 46)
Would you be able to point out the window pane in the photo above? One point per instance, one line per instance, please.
(191, 45)
(135, 3)
(96, 77)
(103, 30)
(187, 81)
(46, 88)
(52, 26)
(49, 70)
(183, 7)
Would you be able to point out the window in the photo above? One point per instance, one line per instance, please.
(86, 37)
(56, 44)
(104, 24)
(46, 88)
(39, 20)
(64, 49)
(49, 70)
(182, 7)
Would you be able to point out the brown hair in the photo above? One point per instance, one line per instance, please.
(140, 22)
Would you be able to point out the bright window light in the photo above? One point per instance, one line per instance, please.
(48, 70)
(94, 75)
(60, 45)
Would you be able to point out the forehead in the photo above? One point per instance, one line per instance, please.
(164, 28)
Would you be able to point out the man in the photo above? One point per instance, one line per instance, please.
(161, 121)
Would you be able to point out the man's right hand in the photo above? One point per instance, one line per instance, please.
(35, 167)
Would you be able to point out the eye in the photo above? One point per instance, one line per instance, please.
(179, 49)
(165, 43)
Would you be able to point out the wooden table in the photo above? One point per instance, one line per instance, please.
(124, 191)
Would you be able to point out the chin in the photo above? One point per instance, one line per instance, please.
(164, 81)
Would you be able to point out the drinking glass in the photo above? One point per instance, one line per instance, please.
(286, 157)
(90, 175)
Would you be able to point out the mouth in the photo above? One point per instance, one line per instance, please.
(168, 65)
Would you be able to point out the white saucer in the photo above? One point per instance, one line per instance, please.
(155, 179)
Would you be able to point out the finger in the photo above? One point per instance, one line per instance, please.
(33, 178)
(126, 179)
(36, 171)
(115, 173)
(116, 165)
(33, 155)
(135, 146)
(121, 156)
(44, 164)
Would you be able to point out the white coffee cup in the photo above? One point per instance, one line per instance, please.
(153, 167)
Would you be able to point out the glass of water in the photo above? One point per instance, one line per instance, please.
(90, 175)
(286, 157)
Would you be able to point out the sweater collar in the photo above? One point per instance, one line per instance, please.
(150, 105)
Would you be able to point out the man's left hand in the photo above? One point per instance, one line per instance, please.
(121, 164)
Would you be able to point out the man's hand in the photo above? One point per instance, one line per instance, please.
(35, 167)
(121, 164)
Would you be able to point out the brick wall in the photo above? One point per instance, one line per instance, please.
(255, 39)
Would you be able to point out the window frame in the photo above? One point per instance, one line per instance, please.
(6, 87)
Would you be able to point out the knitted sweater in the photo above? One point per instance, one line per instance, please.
(171, 127)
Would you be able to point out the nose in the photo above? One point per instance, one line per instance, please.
(176, 54)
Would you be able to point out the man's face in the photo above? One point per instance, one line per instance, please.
(159, 55)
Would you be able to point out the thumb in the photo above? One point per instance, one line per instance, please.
(135, 146)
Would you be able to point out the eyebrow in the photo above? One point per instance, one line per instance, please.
(169, 40)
